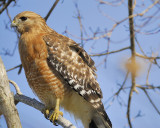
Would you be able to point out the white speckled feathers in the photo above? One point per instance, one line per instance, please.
(76, 68)
(69, 60)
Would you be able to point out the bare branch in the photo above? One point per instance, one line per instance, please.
(147, 87)
(151, 101)
(128, 107)
(112, 98)
(39, 106)
(18, 91)
(111, 52)
(133, 61)
(140, 46)
(19, 97)
(7, 105)
(18, 36)
(146, 57)
(145, 11)
(80, 22)
(149, 69)
(5, 6)
(50, 11)
(108, 34)
(111, 3)
(121, 88)
(18, 66)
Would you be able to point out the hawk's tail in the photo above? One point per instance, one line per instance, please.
(100, 120)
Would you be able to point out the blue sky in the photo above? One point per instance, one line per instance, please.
(64, 17)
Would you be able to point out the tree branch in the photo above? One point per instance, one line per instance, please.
(146, 57)
(111, 52)
(147, 87)
(18, 66)
(18, 91)
(50, 11)
(108, 34)
(7, 105)
(151, 101)
(39, 106)
(79, 17)
(133, 61)
(123, 84)
(5, 6)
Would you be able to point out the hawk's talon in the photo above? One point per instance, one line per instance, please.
(54, 116)
(46, 113)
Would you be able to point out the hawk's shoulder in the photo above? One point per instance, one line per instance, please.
(72, 45)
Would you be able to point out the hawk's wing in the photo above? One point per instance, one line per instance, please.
(73, 65)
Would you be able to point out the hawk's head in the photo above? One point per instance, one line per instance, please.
(28, 21)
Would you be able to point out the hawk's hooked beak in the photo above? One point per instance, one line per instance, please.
(13, 24)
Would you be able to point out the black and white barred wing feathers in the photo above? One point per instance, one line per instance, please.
(72, 63)
(77, 69)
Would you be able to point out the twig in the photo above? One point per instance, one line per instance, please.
(20, 69)
(117, 93)
(111, 3)
(140, 46)
(8, 15)
(142, 13)
(147, 87)
(111, 52)
(39, 106)
(146, 57)
(80, 23)
(151, 59)
(18, 66)
(18, 36)
(50, 11)
(151, 101)
(18, 91)
(148, 72)
(5, 6)
(128, 107)
(117, 23)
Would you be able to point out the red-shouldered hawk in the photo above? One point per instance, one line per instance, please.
(59, 71)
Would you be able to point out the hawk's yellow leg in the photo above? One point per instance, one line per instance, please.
(56, 113)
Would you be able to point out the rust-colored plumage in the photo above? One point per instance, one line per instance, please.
(59, 71)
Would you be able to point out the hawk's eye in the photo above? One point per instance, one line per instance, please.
(23, 18)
